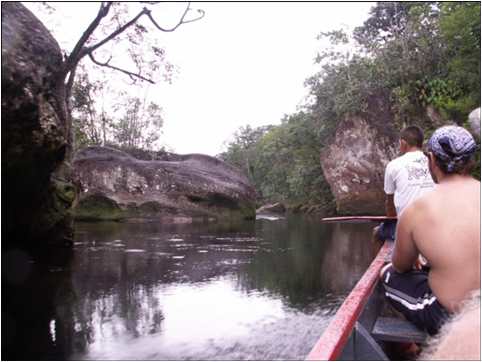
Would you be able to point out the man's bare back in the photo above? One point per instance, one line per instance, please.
(445, 228)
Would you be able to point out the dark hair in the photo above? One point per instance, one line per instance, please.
(462, 167)
(413, 135)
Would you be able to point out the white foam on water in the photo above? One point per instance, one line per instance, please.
(269, 217)
(290, 337)
(135, 251)
(160, 253)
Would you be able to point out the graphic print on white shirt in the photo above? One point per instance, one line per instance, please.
(407, 177)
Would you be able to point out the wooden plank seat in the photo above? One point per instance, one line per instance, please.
(397, 330)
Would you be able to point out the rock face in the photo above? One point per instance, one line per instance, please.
(354, 165)
(36, 182)
(116, 185)
(474, 121)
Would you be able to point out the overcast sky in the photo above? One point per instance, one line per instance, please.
(243, 63)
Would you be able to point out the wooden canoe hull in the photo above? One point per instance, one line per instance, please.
(359, 331)
(335, 340)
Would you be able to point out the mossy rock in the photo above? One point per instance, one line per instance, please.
(98, 207)
(151, 207)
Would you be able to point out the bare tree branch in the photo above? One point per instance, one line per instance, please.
(68, 88)
(131, 75)
(117, 32)
(181, 21)
(80, 50)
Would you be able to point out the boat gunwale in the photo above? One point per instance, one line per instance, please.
(331, 343)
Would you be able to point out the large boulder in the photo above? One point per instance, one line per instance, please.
(474, 122)
(36, 186)
(116, 185)
(354, 165)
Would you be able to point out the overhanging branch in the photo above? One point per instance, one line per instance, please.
(181, 21)
(80, 50)
(131, 75)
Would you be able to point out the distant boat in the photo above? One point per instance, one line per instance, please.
(361, 328)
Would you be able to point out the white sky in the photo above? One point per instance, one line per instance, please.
(243, 63)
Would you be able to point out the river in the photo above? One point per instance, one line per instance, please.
(259, 290)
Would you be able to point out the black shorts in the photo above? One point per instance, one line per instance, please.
(410, 294)
(386, 230)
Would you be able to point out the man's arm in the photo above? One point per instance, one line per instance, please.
(389, 186)
(390, 209)
(405, 253)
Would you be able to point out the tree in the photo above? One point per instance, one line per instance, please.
(87, 45)
(281, 161)
(460, 30)
(140, 124)
(241, 152)
(90, 125)
(115, 25)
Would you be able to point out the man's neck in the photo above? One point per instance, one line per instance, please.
(450, 178)
(413, 149)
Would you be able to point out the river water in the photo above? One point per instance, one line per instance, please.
(259, 290)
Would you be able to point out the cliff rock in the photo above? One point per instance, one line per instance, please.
(36, 184)
(474, 122)
(116, 185)
(354, 165)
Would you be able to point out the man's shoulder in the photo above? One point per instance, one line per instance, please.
(422, 203)
(407, 158)
(396, 162)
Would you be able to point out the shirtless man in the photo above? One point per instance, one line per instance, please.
(444, 226)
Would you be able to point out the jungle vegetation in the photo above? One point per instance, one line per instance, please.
(416, 54)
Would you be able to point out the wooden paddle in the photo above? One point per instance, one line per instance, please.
(359, 218)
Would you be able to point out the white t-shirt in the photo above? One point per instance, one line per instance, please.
(407, 177)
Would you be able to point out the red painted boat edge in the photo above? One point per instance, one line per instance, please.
(331, 343)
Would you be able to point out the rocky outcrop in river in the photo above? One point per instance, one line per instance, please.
(176, 188)
(36, 181)
(354, 161)
(276, 208)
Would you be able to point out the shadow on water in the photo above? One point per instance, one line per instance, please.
(250, 290)
(35, 286)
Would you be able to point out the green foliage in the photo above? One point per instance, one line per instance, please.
(460, 29)
(409, 54)
(140, 124)
(131, 122)
(419, 53)
(283, 160)
(242, 151)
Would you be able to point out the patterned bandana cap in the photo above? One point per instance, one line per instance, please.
(452, 144)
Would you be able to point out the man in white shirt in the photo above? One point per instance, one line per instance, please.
(406, 178)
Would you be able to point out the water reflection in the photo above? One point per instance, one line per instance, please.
(261, 290)
(346, 257)
(35, 285)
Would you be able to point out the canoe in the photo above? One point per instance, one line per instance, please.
(359, 329)
(359, 218)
